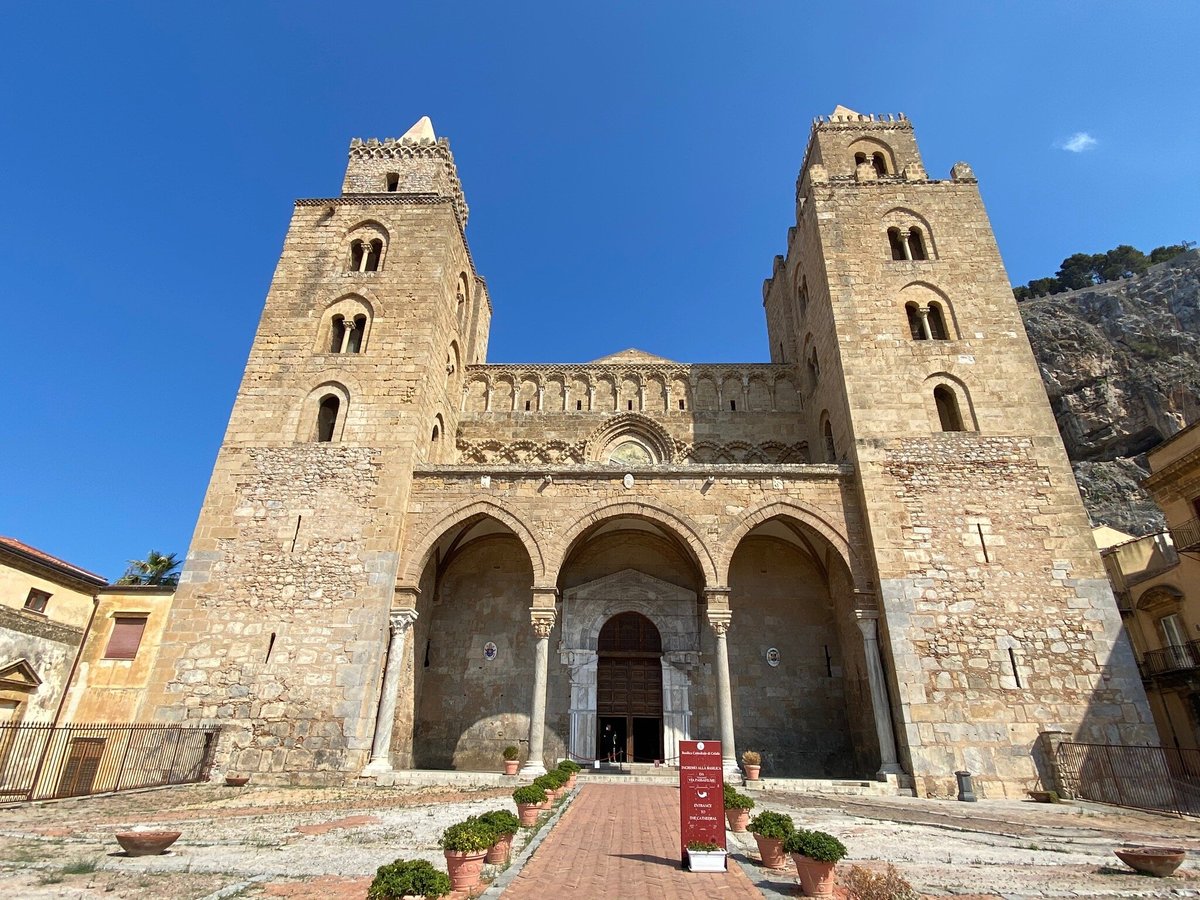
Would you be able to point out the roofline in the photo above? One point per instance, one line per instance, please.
(44, 560)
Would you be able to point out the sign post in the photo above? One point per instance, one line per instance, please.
(701, 794)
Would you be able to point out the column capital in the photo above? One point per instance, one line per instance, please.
(717, 597)
(543, 621)
(401, 618)
(720, 620)
(544, 597)
(405, 597)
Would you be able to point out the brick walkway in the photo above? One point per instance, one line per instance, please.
(620, 840)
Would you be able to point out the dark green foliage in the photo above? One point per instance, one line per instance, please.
(818, 845)
(770, 824)
(529, 793)
(1083, 270)
(501, 821)
(411, 877)
(155, 569)
(703, 846)
(734, 800)
(470, 836)
(569, 766)
(511, 753)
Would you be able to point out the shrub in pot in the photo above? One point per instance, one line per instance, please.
(770, 830)
(815, 854)
(504, 825)
(570, 768)
(464, 845)
(512, 759)
(552, 783)
(705, 856)
(752, 763)
(408, 878)
(529, 800)
(737, 809)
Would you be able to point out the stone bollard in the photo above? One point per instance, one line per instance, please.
(966, 792)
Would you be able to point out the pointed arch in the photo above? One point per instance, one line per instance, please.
(418, 557)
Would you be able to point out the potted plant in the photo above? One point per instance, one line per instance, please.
(752, 763)
(504, 825)
(705, 856)
(529, 800)
(571, 769)
(408, 878)
(815, 854)
(464, 845)
(737, 809)
(512, 760)
(552, 783)
(770, 830)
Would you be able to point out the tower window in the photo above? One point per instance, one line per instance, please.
(947, 407)
(327, 414)
(915, 326)
(830, 448)
(896, 242)
(527, 406)
(859, 159)
(879, 163)
(374, 253)
(578, 404)
(683, 404)
(733, 406)
(629, 404)
(937, 323)
(337, 334)
(814, 368)
(355, 339)
(392, 181)
(916, 244)
(357, 250)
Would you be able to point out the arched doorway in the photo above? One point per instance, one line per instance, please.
(629, 690)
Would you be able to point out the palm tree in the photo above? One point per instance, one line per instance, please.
(155, 569)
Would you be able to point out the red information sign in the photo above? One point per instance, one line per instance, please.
(701, 794)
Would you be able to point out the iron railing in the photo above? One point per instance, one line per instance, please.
(1176, 658)
(40, 761)
(1186, 537)
(1165, 779)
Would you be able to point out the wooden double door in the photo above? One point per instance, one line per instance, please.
(629, 690)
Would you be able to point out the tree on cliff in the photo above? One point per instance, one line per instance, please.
(155, 569)
(1083, 270)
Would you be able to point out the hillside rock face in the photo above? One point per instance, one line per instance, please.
(1121, 363)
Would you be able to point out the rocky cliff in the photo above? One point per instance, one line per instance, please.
(1121, 363)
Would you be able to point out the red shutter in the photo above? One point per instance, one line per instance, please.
(125, 638)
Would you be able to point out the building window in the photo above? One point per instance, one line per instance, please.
(916, 244)
(949, 414)
(126, 637)
(926, 323)
(327, 414)
(337, 334)
(937, 323)
(354, 340)
(879, 163)
(365, 256)
(896, 244)
(830, 447)
(36, 601)
(392, 182)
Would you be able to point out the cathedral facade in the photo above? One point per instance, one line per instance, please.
(865, 557)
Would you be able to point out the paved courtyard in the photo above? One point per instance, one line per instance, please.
(262, 842)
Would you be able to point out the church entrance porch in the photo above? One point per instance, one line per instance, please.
(629, 698)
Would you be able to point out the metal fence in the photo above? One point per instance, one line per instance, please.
(1165, 779)
(1176, 658)
(39, 762)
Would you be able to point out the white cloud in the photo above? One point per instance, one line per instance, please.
(1078, 142)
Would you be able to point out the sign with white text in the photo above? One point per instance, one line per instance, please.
(701, 794)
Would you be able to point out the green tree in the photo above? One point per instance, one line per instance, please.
(1123, 262)
(155, 569)
(1080, 270)
(1169, 251)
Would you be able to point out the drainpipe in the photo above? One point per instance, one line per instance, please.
(75, 665)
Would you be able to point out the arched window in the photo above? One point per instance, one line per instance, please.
(896, 243)
(374, 254)
(357, 251)
(947, 406)
(880, 163)
(830, 448)
(337, 334)
(392, 181)
(435, 440)
(915, 326)
(916, 244)
(327, 415)
(357, 329)
(814, 368)
(802, 297)
(859, 159)
(937, 322)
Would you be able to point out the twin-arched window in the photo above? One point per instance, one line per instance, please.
(926, 323)
(877, 160)
(907, 245)
(365, 256)
(346, 334)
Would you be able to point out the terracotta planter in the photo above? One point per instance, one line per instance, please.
(146, 843)
(752, 772)
(464, 869)
(237, 780)
(528, 813)
(770, 850)
(511, 766)
(1157, 861)
(497, 855)
(738, 819)
(571, 781)
(816, 878)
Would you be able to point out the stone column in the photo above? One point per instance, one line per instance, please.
(542, 616)
(923, 316)
(719, 619)
(888, 764)
(400, 620)
(347, 335)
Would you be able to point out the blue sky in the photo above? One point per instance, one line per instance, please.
(630, 169)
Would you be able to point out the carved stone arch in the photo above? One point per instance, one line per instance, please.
(868, 146)
(1161, 598)
(966, 406)
(904, 218)
(303, 417)
(810, 519)
(350, 306)
(683, 528)
(630, 426)
(366, 230)
(923, 293)
(418, 557)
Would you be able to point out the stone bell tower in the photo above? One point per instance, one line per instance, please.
(994, 607)
(280, 623)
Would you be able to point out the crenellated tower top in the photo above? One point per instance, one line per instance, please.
(416, 163)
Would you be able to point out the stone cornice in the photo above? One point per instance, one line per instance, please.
(802, 472)
(694, 370)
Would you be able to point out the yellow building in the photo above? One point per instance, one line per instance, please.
(1157, 582)
(46, 605)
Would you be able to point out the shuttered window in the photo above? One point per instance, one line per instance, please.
(125, 638)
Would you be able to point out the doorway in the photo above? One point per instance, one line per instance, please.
(629, 690)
